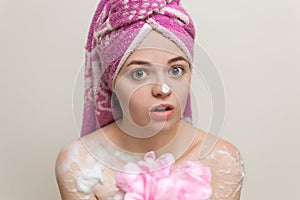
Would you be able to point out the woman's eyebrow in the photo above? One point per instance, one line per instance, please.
(138, 62)
(179, 58)
(142, 62)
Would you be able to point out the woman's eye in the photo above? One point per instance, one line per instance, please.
(139, 74)
(176, 71)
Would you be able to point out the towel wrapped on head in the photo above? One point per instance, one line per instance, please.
(117, 28)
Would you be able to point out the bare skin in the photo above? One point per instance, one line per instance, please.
(224, 161)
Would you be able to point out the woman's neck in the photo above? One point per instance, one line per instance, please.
(128, 138)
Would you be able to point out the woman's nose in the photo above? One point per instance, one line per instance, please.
(161, 90)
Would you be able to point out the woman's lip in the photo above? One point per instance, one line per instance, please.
(162, 106)
(159, 115)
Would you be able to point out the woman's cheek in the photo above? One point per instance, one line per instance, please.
(139, 105)
(135, 102)
(180, 90)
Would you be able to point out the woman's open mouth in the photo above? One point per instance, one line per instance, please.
(162, 111)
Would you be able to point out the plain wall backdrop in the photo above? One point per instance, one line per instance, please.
(254, 44)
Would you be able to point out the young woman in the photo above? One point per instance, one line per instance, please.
(137, 138)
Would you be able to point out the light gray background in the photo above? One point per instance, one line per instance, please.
(255, 45)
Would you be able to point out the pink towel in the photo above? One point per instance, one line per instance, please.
(117, 28)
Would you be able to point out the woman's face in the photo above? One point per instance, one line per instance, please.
(152, 87)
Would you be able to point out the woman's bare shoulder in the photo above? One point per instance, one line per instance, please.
(76, 155)
(77, 149)
(225, 152)
(67, 154)
(77, 172)
(211, 146)
(227, 167)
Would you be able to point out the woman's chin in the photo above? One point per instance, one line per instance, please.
(164, 125)
(151, 126)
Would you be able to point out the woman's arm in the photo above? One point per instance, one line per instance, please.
(66, 170)
(227, 169)
(71, 195)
